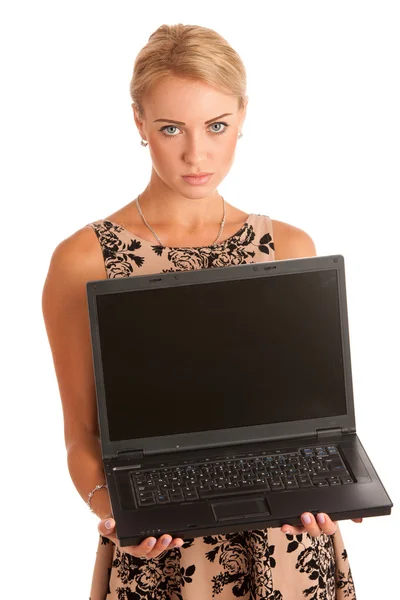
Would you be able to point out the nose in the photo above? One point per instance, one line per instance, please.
(195, 151)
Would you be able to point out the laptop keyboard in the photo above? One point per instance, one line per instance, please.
(319, 466)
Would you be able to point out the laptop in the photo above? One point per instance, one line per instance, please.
(225, 399)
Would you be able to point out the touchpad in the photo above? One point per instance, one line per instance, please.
(240, 509)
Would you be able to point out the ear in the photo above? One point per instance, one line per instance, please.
(139, 123)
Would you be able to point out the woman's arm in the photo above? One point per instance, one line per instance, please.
(86, 469)
(75, 261)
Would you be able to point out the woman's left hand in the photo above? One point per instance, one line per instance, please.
(315, 527)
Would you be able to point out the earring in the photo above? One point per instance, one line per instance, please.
(240, 135)
(144, 143)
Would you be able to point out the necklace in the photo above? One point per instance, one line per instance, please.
(156, 236)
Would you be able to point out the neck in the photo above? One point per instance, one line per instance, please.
(166, 208)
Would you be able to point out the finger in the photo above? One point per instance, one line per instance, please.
(143, 550)
(357, 520)
(314, 527)
(326, 524)
(165, 542)
(176, 543)
(106, 527)
(310, 524)
(148, 548)
(292, 529)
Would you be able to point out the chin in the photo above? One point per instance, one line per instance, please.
(199, 191)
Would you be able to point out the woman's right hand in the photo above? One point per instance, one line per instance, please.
(149, 548)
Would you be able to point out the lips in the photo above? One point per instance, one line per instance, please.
(196, 174)
(197, 179)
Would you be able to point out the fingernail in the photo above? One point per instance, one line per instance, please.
(286, 531)
(321, 519)
(151, 543)
(166, 541)
(306, 519)
(109, 524)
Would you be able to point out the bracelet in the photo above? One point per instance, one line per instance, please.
(91, 494)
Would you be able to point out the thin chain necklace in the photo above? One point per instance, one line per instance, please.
(156, 236)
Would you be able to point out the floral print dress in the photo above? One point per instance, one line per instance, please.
(261, 564)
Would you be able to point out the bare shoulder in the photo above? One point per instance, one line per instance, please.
(291, 242)
(75, 261)
(78, 256)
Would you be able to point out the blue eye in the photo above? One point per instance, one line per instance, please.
(163, 129)
(220, 123)
(166, 127)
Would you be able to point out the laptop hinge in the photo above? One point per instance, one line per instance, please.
(330, 431)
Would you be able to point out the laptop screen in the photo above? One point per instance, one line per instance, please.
(221, 355)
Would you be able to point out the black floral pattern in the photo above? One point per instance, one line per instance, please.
(345, 583)
(236, 250)
(245, 562)
(158, 578)
(266, 244)
(254, 565)
(249, 572)
(317, 560)
(118, 255)
(121, 258)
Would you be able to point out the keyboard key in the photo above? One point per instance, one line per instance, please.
(320, 451)
(333, 478)
(307, 452)
(176, 496)
(146, 499)
(306, 484)
(162, 498)
(346, 480)
(248, 484)
(291, 484)
(291, 470)
(332, 483)
(231, 485)
(322, 469)
(276, 485)
(191, 495)
(333, 460)
(150, 487)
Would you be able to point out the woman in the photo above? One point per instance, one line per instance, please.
(179, 222)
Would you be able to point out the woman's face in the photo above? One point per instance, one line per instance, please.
(191, 127)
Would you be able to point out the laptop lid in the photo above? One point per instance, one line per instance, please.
(213, 357)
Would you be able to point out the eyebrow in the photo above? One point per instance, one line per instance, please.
(181, 122)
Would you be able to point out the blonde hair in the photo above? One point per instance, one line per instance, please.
(188, 51)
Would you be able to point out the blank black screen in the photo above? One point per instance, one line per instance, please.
(221, 355)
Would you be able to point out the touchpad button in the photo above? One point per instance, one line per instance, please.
(240, 509)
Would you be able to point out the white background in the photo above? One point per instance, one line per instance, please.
(320, 150)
